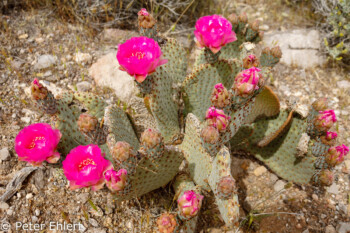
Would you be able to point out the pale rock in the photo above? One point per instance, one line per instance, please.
(23, 36)
(39, 40)
(26, 119)
(264, 27)
(330, 229)
(93, 222)
(82, 57)
(117, 35)
(29, 196)
(334, 189)
(5, 154)
(343, 227)
(83, 86)
(343, 84)
(45, 61)
(300, 47)
(4, 206)
(347, 164)
(279, 185)
(259, 171)
(106, 73)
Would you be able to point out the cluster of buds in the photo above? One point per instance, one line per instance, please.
(326, 177)
(336, 155)
(246, 82)
(166, 223)
(116, 181)
(220, 97)
(189, 204)
(325, 120)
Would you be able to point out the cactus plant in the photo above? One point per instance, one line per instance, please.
(225, 103)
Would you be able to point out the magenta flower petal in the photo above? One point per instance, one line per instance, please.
(336, 155)
(190, 203)
(84, 166)
(139, 57)
(116, 181)
(217, 119)
(214, 32)
(37, 143)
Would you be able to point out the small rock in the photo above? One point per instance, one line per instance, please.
(83, 198)
(39, 40)
(82, 57)
(38, 177)
(306, 231)
(45, 61)
(93, 222)
(47, 73)
(264, 27)
(343, 227)
(23, 36)
(37, 212)
(81, 228)
(9, 212)
(330, 229)
(260, 170)
(83, 86)
(26, 119)
(5, 154)
(29, 196)
(334, 189)
(343, 208)
(4, 206)
(323, 216)
(343, 84)
(117, 35)
(279, 185)
(314, 197)
(273, 178)
(347, 164)
(34, 219)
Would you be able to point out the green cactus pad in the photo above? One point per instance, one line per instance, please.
(177, 60)
(154, 174)
(267, 59)
(119, 124)
(200, 83)
(93, 103)
(280, 154)
(199, 161)
(229, 208)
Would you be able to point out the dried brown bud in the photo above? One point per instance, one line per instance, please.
(243, 17)
(276, 52)
(87, 123)
(146, 20)
(233, 18)
(39, 92)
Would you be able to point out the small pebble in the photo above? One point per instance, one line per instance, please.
(260, 170)
(29, 196)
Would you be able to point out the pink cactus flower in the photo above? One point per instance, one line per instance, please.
(84, 166)
(246, 82)
(217, 118)
(331, 135)
(143, 11)
(116, 181)
(214, 32)
(139, 57)
(37, 143)
(189, 204)
(325, 120)
(336, 155)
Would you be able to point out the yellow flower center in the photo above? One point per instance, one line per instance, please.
(86, 162)
(32, 144)
(139, 55)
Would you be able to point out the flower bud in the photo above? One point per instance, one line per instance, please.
(233, 18)
(326, 177)
(166, 223)
(146, 20)
(325, 120)
(116, 181)
(246, 82)
(255, 25)
(226, 186)
(250, 61)
(320, 104)
(121, 151)
(243, 17)
(150, 138)
(87, 123)
(210, 134)
(39, 92)
(189, 204)
(276, 52)
(336, 155)
(329, 138)
(217, 118)
(220, 97)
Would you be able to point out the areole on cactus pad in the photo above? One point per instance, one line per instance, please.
(222, 103)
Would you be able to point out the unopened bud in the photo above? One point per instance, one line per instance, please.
(255, 25)
(210, 134)
(150, 138)
(146, 20)
(166, 223)
(243, 17)
(325, 120)
(121, 151)
(39, 92)
(220, 97)
(87, 123)
(326, 177)
(329, 138)
(246, 82)
(233, 18)
(336, 155)
(320, 105)
(250, 61)
(276, 52)
(226, 187)
(189, 204)
(217, 118)
(116, 181)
